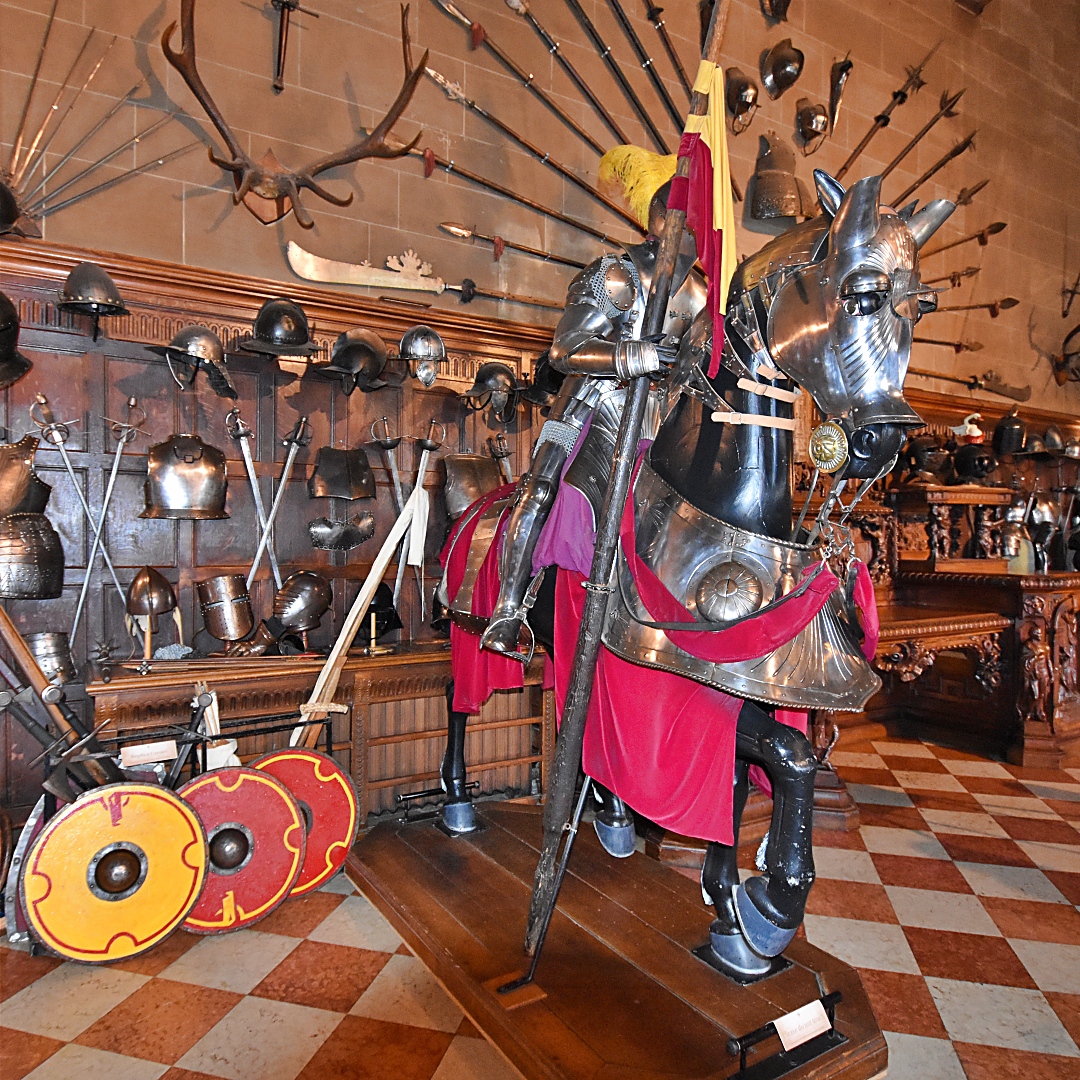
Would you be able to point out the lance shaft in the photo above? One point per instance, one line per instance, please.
(520, 7)
(646, 62)
(938, 165)
(559, 806)
(982, 236)
(947, 105)
(617, 72)
(500, 242)
(653, 13)
(911, 85)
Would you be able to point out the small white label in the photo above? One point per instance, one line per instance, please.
(147, 753)
(802, 1025)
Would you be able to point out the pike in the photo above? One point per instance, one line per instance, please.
(561, 814)
(617, 73)
(20, 133)
(982, 236)
(947, 109)
(646, 61)
(969, 193)
(1068, 294)
(988, 381)
(284, 8)
(454, 92)
(956, 346)
(479, 36)
(498, 242)
(912, 85)
(521, 7)
(653, 13)
(995, 307)
(938, 165)
(954, 278)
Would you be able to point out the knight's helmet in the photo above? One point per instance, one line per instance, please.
(194, 349)
(645, 178)
(150, 595)
(775, 190)
(185, 478)
(88, 290)
(302, 600)
(741, 96)
(13, 365)
(495, 385)
(358, 359)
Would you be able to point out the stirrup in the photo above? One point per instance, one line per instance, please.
(520, 614)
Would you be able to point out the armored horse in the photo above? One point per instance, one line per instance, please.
(728, 617)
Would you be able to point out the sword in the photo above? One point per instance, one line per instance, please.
(454, 92)
(982, 236)
(428, 445)
(912, 85)
(646, 61)
(500, 451)
(389, 446)
(938, 165)
(56, 434)
(480, 36)
(617, 72)
(123, 433)
(464, 233)
(521, 7)
(653, 14)
(947, 109)
(16, 146)
(294, 440)
(242, 434)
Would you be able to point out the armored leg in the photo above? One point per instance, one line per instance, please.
(458, 814)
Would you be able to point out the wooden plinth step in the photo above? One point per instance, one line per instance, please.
(618, 992)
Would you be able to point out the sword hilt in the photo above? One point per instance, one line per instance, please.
(430, 443)
(299, 436)
(385, 441)
(235, 426)
(52, 430)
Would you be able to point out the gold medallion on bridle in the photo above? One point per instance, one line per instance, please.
(828, 447)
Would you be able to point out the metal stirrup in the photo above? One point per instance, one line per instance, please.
(520, 614)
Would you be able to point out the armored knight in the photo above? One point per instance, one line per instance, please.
(597, 347)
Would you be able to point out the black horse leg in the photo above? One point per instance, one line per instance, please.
(458, 813)
(614, 823)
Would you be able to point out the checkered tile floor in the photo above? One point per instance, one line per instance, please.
(324, 989)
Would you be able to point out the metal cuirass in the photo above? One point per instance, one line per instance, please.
(721, 574)
(468, 477)
(186, 478)
(342, 474)
(22, 491)
(31, 558)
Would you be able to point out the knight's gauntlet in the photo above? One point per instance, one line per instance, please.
(634, 358)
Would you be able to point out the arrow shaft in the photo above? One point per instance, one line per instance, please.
(653, 14)
(940, 164)
(646, 62)
(943, 111)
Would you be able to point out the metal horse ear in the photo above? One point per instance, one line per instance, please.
(830, 192)
(925, 222)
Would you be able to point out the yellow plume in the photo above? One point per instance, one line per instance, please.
(641, 172)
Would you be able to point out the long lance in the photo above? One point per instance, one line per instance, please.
(969, 193)
(560, 813)
(469, 290)
(956, 346)
(995, 307)
(20, 132)
(617, 73)
(480, 36)
(646, 61)
(653, 13)
(982, 237)
(954, 278)
(455, 93)
(462, 232)
(521, 7)
(912, 85)
(938, 165)
(431, 160)
(947, 109)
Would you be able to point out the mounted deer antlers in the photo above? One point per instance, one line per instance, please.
(268, 178)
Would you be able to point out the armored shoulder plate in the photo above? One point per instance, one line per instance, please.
(614, 284)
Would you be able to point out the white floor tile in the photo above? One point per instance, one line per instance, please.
(1000, 1016)
(1064, 857)
(405, 992)
(1016, 806)
(66, 1001)
(909, 750)
(844, 865)
(886, 841)
(881, 946)
(356, 922)
(1053, 789)
(963, 822)
(1054, 967)
(916, 1057)
(339, 883)
(237, 962)
(474, 1059)
(74, 1062)
(958, 912)
(1010, 882)
(976, 768)
(856, 761)
(927, 781)
(260, 1038)
(878, 795)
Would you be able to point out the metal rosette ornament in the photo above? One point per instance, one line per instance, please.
(328, 803)
(828, 447)
(114, 873)
(256, 841)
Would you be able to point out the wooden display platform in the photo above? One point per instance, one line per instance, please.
(622, 996)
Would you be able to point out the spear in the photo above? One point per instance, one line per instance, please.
(912, 85)
(947, 109)
(938, 165)
(995, 307)
(521, 7)
(955, 277)
(470, 290)
(617, 72)
(498, 242)
(956, 346)
(646, 61)
(653, 13)
(987, 381)
(454, 93)
(969, 193)
(16, 148)
(479, 36)
(982, 236)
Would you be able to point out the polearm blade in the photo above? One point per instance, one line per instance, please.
(938, 165)
(20, 131)
(653, 13)
(912, 85)
(947, 109)
(617, 72)
(646, 61)
(454, 92)
(969, 193)
(558, 809)
(521, 7)
(498, 242)
(480, 36)
(982, 236)
(954, 278)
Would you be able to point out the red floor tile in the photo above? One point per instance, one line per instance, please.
(1067, 884)
(915, 873)
(902, 1003)
(19, 969)
(1022, 773)
(322, 976)
(1070, 811)
(983, 849)
(1048, 832)
(1067, 1006)
(948, 753)
(997, 1063)
(363, 1049)
(852, 774)
(186, 1074)
(297, 918)
(839, 838)
(892, 817)
(994, 785)
(850, 900)
(1034, 921)
(468, 1028)
(946, 800)
(967, 957)
(160, 1022)
(161, 956)
(21, 1052)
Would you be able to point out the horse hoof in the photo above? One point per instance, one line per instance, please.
(734, 954)
(459, 817)
(763, 935)
(617, 840)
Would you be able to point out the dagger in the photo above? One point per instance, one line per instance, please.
(947, 109)
(938, 165)
(464, 233)
(982, 236)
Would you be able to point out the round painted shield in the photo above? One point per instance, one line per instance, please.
(114, 873)
(255, 836)
(328, 802)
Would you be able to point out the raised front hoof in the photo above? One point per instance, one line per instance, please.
(617, 839)
(763, 934)
(459, 818)
(732, 954)
(502, 637)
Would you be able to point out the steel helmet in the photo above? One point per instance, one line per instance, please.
(193, 348)
(90, 291)
(280, 329)
(776, 191)
(545, 383)
(13, 365)
(302, 601)
(359, 358)
(1009, 433)
(811, 125)
(741, 95)
(781, 67)
(424, 350)
(495, 385)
